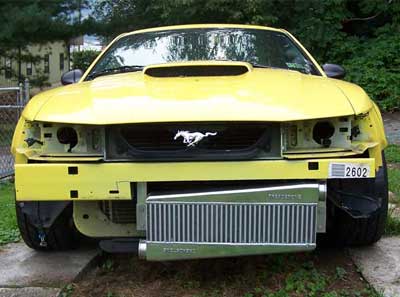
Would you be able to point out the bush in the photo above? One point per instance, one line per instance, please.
(40, 81)
(82, 60)
(374, 64)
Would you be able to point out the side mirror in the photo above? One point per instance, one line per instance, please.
(334, 71)
(71, 77)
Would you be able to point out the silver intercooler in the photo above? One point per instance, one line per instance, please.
(234, 222)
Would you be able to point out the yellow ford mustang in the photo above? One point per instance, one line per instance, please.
(201, 141)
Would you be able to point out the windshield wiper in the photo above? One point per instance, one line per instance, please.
(255, 65)
(121, 69)
(299, 69)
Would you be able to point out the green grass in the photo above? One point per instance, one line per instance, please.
(392, 225)
(8, 223)
(394, 182)
(311, 283)
(393, 221)
(392, 153)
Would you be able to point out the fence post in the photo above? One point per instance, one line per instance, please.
(20, 99)
(20, 93)
(26, 89)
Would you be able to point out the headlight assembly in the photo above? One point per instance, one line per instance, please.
(54, 139)
(318, 135)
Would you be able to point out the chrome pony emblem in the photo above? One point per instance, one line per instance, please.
(192, 138)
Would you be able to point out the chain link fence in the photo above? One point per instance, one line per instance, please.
(12, 102)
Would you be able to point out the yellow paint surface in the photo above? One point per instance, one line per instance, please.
(94, 181)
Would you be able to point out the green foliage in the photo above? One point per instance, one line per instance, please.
(108, 265)
(309, 281)
(340, 273)
(309, 274)
(392, 227)
(67, 291)
(392, 154)
(8, 223)
(394, 182)
(83, 59)
(335, 31)
(40, 80)
(374, 64)
(27, 22)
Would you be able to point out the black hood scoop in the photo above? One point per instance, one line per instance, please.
(174, 70)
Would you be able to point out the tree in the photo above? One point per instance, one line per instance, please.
(26, 22)
(362, 35)
(83, 59)
(115, 17)
(315, 22)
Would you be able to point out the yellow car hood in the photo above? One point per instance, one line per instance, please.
(258, 95)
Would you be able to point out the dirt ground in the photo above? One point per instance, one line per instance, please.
(325, 273)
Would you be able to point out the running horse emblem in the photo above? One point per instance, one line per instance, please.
(192, 138)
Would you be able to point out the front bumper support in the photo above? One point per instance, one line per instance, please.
(109, 181)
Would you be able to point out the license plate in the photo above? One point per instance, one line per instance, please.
(348, 170)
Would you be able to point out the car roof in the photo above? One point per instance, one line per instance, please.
(199, 26)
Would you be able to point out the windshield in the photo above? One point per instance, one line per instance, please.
(261, 48)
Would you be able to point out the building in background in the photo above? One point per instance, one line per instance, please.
(85, 43)
(48, 61)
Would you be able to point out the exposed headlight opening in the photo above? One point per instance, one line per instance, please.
(50, 140)
(67, 135)
(322, 133)
(318, 136)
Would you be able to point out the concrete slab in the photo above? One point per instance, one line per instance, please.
(22, 267)
(30, 291)
(380, 265)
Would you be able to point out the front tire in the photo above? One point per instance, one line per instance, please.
(62, 234)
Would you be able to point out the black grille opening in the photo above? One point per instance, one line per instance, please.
(119, 212)
(152, 138)
(193, 141)
(197, 70)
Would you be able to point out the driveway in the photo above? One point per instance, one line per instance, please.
(392, 127)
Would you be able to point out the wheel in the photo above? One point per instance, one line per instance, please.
(62, 234)
(344, 230)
